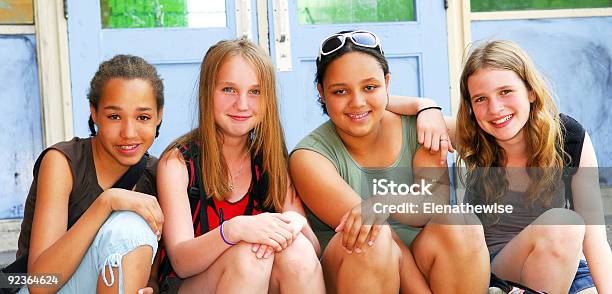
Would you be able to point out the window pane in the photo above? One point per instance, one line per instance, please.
(162, 13)
(501, 5)
(16, 12)
(354, 11)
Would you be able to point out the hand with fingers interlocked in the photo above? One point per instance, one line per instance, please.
(296, 222)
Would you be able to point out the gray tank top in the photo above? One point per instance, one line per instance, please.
(85, 189)
(501, 228)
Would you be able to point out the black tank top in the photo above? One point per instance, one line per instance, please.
(85, 188)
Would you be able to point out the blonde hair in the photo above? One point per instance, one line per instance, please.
(543, 135)
(265, 141)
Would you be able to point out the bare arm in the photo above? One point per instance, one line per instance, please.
(432, 129)
(184, 250)
(426, 167)
(52, 248)
(319, 184)
(451, 127)
(408, 105)
(293, 204)
(587, 201)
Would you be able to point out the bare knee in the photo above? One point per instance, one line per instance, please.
(297, 260)
(457, 237)
(559, 242)
(560, 216)
(246, 265)
(378, 257)
(559, 233)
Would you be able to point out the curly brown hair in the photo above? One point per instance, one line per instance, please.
(125, 67)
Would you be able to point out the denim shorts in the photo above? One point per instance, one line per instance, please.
(582, 280)
(122, 232)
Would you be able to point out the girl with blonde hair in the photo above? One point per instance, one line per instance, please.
(507, 118)
(517, 149)
(246, 224)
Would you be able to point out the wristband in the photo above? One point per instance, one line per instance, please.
(223, 237)
(429, 107)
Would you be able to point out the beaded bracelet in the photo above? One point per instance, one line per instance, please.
(223, 236)
(429, 107)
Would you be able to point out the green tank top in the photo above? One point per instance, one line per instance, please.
(325, 141)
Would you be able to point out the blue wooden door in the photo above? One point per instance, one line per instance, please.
(414, 38)
(21, 136)
(175, 51)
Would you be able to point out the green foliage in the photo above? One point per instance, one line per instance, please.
(143, 13)
(501, 5)
(354, 11)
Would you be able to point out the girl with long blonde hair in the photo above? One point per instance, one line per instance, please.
(516, 149)
(246, 226)
(511, 138)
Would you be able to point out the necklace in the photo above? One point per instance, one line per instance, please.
(232, 177)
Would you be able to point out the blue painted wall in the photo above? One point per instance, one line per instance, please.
(575, 54)
(21, 130)
(180, 110)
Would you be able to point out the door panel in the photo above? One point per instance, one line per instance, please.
(21, 135)
(415, 45)
(176, 52)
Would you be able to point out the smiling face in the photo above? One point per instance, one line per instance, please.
(236, 97)
(354, 90)
(127, 118)
(501, 103)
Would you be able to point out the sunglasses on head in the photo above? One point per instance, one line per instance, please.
(360, 38)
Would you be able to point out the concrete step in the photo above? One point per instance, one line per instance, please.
(9, 233)
(7, 258)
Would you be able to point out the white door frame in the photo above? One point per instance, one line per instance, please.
(53, 70)
(459, 25)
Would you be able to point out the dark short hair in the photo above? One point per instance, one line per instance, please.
(126, 67)
(325, 60)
